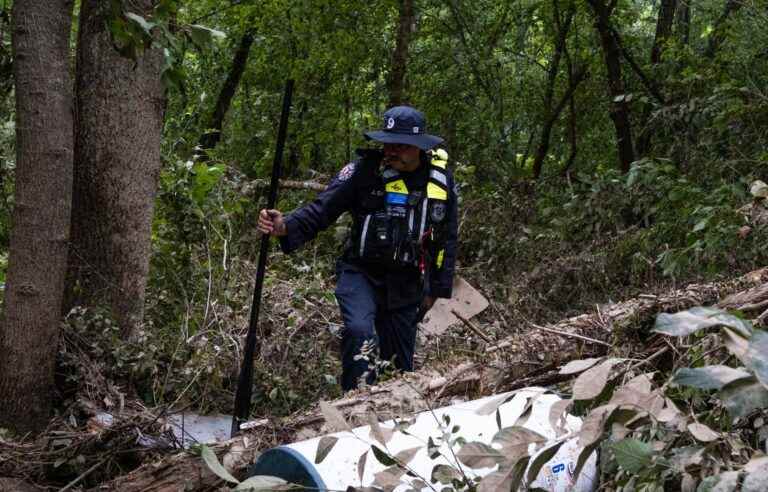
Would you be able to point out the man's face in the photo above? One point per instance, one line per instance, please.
(402, 157)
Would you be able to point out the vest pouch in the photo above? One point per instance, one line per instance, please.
(375, 239)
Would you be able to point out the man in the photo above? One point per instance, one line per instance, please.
(402, 249)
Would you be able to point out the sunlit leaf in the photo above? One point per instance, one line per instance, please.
(577, 366)
(507, 478)
(213, 464)
(515, 441)
(479, 455)
(262, 482)
(333, 417)
(702, 433)
(591, 383)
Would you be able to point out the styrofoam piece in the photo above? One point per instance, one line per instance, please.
(295, 462)
(465, 300)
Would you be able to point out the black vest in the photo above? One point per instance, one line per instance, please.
(401, 219)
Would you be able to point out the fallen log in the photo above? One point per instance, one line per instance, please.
(525, 358)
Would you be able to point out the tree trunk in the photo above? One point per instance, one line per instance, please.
(664, 23)
(396, 77)
(119, 107)
(212, 134)
(38, 246)
(718, 32)
(619, 108)
(663, 28)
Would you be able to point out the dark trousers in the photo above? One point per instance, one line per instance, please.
(367, 319)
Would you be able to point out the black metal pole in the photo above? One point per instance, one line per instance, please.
(245, 382)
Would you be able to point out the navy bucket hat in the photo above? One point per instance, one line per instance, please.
(405, 125)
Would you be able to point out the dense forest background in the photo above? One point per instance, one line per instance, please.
(603, 148)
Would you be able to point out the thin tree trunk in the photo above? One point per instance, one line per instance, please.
(29, 329)
(664, 23)
(396, 77)
(683, 21)
(718, 32)
(550, 117)
(119, 105)
(212, 134)
(619, 111)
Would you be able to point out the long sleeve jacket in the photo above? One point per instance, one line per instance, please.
(347, 192)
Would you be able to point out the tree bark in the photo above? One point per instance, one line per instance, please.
(396, 76)
(619, 107)
(212, 134)
(119, 107)
(29, 329)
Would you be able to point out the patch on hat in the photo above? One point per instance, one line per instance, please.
(346, 172)
(390, 123)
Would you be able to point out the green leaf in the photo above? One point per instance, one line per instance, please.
(709, 377)
(324, 447)
(757, 356)
(383, 457)
(743, 397)
(701, 225)
(141, 22)
(444, 474)
(262, 482)
(203, 36)
(633, 455)
(213, 464)
(695, 319)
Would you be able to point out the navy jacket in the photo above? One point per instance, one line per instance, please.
(345, 194)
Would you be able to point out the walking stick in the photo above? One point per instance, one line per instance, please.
(245, 382)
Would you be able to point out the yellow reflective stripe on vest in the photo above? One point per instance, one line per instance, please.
(439, 163)
(397, 186)
(436, 192)
(439, 261)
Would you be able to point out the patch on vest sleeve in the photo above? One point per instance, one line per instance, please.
(346, 172)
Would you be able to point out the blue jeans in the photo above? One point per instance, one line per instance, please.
(367, 319)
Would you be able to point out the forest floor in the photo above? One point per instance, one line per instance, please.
(137, 450)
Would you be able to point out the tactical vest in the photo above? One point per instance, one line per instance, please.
(397, 227)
